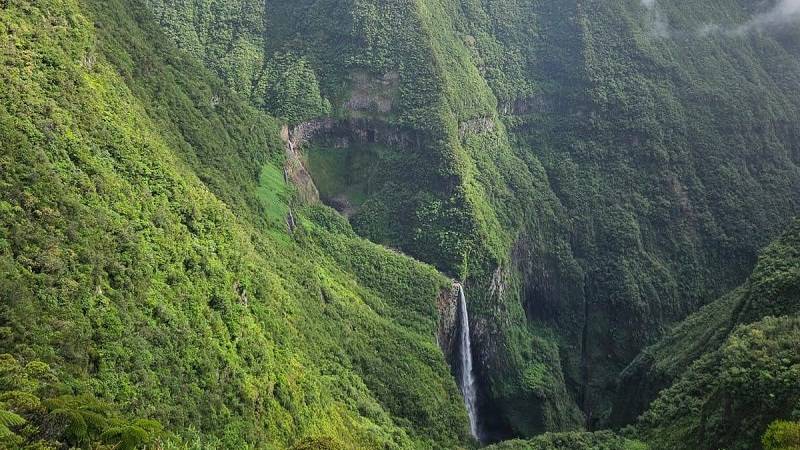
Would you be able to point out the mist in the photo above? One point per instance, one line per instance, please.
(659, 26)
(782, 14)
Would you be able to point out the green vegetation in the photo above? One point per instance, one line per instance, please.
(729, 396)
(36, 414)
(732, 376)
(145, 258)
(593, 173)
(602, 440)
(275, 196)
(782, 435)
(346, 175)
(227, 36)
(292, 91)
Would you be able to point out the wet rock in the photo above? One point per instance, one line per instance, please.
(447, 334)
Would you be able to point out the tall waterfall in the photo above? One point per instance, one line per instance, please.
(468, 388)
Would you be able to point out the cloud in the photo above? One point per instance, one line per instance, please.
(784, 13)
(659, 27)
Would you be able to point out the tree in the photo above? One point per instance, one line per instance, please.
(292, 90)
(782, 435)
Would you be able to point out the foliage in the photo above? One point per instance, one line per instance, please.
(144, 256)
(590, 181)
(64, 420)
(602, 440)
(228, 37)
(292, 90)
(729, 369)
(566, 146)
(781, 435)
(730, 395)
(730, 385)
(129, 436)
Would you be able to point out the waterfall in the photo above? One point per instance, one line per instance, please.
(468, 388)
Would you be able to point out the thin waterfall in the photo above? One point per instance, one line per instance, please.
(468, 387)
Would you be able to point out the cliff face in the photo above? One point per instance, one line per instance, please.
(447, 332)
(648, 173)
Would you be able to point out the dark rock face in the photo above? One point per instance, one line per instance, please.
(296, 172)
(527, 105)
(554, 293)
(476, 126)
(342, 133)
(373, 95)
(302, 133)
(447, 334)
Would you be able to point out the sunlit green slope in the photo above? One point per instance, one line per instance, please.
(145, 257)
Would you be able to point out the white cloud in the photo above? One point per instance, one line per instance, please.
(659, 26)
(785, 12)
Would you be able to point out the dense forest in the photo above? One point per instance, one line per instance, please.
(422, 224)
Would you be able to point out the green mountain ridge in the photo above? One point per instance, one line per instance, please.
(744, 374)
(141, 263)
(593, 172)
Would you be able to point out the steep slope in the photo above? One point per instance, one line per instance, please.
(734, 377)
(417, 159)
(656, 200)
(667, 201)
(591, 171)
(594, 171)
(145, 256)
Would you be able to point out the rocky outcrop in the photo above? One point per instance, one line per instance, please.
(290, 221)
(478, 125)
(294, 170)
(370, 136)
(524, 390)
(447, 333)
(526, 105)
(553, 293)
(373, 95)
(343, 133)
(342, 204)
(302, 133)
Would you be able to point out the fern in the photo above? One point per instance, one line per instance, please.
(77, 418)
(138, 434)
(9, 420)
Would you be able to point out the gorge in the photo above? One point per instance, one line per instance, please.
(236, 224)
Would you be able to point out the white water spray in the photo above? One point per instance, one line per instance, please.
(468, 388)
